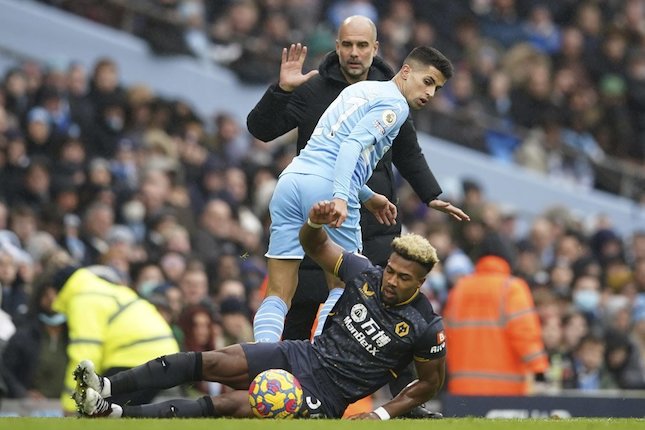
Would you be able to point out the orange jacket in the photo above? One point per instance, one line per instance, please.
(494, 333)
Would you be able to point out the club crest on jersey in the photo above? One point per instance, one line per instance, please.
(402, 329)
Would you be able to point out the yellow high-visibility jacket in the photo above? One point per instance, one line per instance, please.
(110, 325)
(493, 331)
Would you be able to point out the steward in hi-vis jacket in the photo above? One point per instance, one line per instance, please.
(495, 334)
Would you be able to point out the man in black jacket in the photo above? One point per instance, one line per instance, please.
(297, 101)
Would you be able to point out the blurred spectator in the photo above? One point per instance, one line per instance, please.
(585, 294)
(39, 132)
(575, 328)
(36, 355)
(638, 332)
(341, 9)
(454, 262)
(80, 106)
(146, 277)
(16, 95)
(229, 288)
(194, 286)
(636, 101)
(97, 187)
(218, 232)
(173, 266)
(15, 294)
(230, 30)
(200, 333)
(230, 142)
(97, 221)
(638, 275)
(560, 362)
(589, 372)
(162, 28)
(502, 23)
(236, 326)
(36, 184)
(624, 362)
(541, 31)
(69, 169)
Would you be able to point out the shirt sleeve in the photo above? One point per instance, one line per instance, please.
(412, 165)
(350, 265)
(381, 121)
(432, 343)
(365, 193)
(270, 117)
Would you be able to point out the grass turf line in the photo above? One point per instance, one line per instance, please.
(257, 424)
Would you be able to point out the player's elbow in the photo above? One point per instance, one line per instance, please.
(259, 129)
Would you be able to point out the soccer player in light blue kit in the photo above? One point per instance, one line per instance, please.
(349, 140)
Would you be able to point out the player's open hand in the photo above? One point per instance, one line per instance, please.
(450, 209)
(291, 76)
(384, 210)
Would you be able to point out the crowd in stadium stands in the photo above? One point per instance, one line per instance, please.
(177, 203)
(555, 85)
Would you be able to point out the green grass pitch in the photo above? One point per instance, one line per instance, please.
(247, 424)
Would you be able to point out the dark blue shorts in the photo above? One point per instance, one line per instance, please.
(321, 399)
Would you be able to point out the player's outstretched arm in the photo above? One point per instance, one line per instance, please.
(432, 374)
(450, 209)
(314, 239)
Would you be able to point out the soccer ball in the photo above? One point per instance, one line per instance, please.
(275, 393)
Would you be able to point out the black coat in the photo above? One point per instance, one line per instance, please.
(279, 112)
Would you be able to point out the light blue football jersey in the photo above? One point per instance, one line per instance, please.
(352, 135)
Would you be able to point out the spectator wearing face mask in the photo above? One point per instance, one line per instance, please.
(585, 295)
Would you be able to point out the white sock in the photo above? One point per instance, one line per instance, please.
(106, 391)
(117, 411)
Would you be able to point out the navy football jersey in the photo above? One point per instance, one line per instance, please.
(366, 343)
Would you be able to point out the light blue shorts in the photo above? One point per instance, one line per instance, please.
(293, 197)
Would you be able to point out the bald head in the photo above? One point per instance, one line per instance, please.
(358, 24)
(356, 47)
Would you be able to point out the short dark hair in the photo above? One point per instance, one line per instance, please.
(430, 56)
